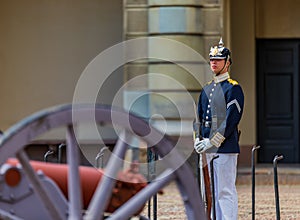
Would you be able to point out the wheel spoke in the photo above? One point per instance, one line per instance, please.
(7, 215)
(74, 186)
(130, 208)
(38, 186)
(104, 189)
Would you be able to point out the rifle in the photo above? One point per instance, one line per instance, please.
(203, 169)
(208, 195)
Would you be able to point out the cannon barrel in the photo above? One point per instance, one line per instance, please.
(89, 177)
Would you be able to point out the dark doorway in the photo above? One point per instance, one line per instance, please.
(278, 99)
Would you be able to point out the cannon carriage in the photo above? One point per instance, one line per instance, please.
(28, 190)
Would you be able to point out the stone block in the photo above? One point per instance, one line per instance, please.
(174, 2)
(176, 48)
(161, 104)
(175, 128)
(137, 102)
(175, 20)
(211, 20)
(189, 20)
(135, 2)
(135, 76)
(183, 3)
(195, 42)
(136, 21)
(170, 76)
(176, 105)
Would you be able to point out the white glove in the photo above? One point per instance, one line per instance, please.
(197, 144)
(202, 146)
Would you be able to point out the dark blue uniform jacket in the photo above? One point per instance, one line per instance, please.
(220, 109)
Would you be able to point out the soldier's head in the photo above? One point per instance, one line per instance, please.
(220, 58)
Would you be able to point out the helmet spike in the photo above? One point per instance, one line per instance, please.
(221, 44)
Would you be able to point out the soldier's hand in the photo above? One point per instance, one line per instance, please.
(197, 145)
(204, 145)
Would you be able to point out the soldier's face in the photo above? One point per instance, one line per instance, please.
(217, 65)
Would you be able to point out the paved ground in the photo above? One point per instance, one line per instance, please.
(170, 203)
(265, 207)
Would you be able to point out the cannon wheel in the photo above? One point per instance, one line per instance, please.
(18, 136)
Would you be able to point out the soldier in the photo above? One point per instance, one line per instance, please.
(220, 109)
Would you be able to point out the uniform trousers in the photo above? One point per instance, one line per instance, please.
(226, 198)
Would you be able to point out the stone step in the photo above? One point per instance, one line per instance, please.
(264, 174)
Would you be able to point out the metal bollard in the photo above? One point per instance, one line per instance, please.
(50, 152)
(276, 158)
(151, 158)
(253, 179)
(213, 186)
(100, 156)
(59, 158)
